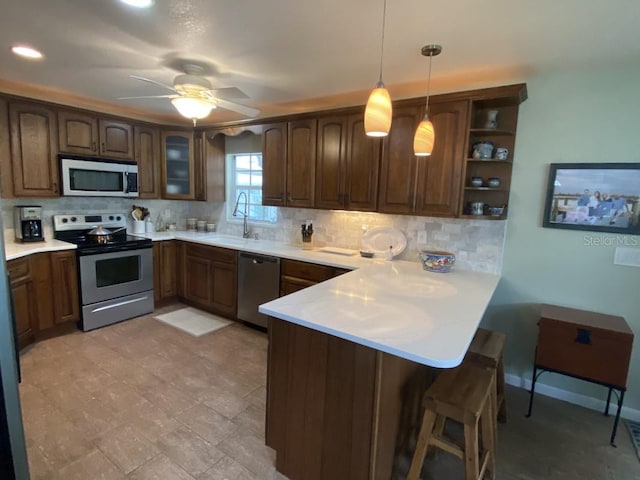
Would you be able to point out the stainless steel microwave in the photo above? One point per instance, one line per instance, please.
(98, 178)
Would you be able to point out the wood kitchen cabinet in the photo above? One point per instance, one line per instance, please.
(440, 175)
(289, 162)
(6, 176)
(66, 298)
(178, 165)
(398, 164)
(210, 278)
(146, 146)
(164, 271)
(296, 275)
(86, 134)
(24, 304)
(347, 164)
(34, 162)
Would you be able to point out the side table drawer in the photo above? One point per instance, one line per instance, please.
(584, 351)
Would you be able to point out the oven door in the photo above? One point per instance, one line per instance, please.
(105, 276)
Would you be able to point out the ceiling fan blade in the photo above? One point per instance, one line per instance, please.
(236, 107)
(228, 92)
(148, 80)
(148, 96)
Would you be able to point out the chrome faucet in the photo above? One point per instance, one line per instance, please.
(245, 228)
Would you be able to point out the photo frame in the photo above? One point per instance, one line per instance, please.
(600, 197)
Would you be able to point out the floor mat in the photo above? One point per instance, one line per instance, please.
(193, 321)
(634, 431)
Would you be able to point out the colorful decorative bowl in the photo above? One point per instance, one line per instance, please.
(437, 261)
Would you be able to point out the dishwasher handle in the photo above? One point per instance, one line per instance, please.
(256, 258)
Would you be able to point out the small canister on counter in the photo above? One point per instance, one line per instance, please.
(201, 225)
(191, 223)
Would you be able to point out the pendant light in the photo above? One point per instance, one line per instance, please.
(377, 114)
(425, 134)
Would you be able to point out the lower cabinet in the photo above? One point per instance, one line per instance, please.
(44, 288)
(295, 275)
(210, 278)
(165, 279)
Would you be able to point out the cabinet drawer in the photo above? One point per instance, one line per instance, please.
(215, 254)
(307, 271)
(18, 269)
(585, 351)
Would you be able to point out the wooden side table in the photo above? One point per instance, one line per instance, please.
(586, 345)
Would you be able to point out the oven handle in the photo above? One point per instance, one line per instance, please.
(120, 304)
(82, 252)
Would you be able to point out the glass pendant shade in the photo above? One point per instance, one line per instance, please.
(424, 138)
(192, 108)
(377, 114)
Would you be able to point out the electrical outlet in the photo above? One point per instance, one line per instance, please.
(422, 237)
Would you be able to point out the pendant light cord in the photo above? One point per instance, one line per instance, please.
(426, 112)
(384, 16)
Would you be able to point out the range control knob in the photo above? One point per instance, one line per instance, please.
(111, 217)
(65, 220)
(73, 219)
(118, 218)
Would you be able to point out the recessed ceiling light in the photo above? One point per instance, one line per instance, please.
(26, 52)
(138, 3)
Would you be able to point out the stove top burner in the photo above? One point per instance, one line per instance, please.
(74, 228)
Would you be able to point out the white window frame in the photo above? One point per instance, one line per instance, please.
(269, 215)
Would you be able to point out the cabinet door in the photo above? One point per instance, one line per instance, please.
(34, 151)
(168, 269)
(331, 162)
(363, 167)
(274, 164)
(198, 275)
(44, 290)
(224, 278)
(64, 274)
(24, 312)
(116, 139)
(301, 163)
(398, 166)
(177, 165)
(6, 177)
(147, 154)
(78, 133)
(440, 175)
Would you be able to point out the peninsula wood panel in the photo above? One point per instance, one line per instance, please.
(34, 150)
(274, 164)
(146, 141)
(440, 175)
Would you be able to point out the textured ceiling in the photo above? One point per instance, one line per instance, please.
(296, 55)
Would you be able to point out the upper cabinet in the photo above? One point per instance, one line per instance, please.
(347, 164)
(146, 146)
(86, 134)
(440, 175)
(398, 166)
(34, 162)
(274, 164)
(178, 165)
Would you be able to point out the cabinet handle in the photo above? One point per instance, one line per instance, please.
(103, 149)
(93, 146)
(289, 198)
(583, 336)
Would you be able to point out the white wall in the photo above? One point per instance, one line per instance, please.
(584, 116)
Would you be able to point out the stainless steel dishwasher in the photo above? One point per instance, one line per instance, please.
(258, 283)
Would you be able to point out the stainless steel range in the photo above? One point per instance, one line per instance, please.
(116, 276)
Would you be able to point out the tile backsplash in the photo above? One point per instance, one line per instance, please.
(478, 244)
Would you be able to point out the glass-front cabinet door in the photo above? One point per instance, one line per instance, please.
(178, 165)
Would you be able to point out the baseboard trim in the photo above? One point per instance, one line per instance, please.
(572, 397)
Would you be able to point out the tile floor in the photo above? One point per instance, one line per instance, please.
(142, 400)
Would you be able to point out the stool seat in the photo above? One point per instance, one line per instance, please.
(462, 394)
(487, 350)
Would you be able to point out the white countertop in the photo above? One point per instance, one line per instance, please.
(13, 250)
(395, 307)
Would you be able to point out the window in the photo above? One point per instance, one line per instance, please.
(246, 176)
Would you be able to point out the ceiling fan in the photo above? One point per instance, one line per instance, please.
(194, 97)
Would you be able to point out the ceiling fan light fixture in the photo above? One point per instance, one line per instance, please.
(425, 135)
(26, 51)
(193, 108)
(138, 3)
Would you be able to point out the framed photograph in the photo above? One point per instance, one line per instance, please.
(601, 197)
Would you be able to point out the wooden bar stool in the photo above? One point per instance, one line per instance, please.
(487, 350)
(462, 394)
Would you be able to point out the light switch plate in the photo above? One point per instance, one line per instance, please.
(628, 256)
